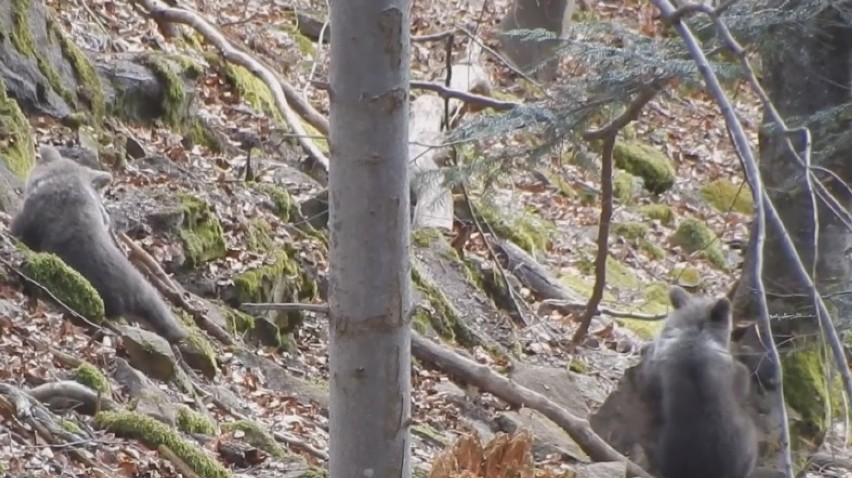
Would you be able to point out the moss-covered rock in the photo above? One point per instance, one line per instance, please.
(285, 207)
(646, 162)
(280, 280)
(65, 284)
(631, 231)
(259, 236)
(256, 436)
(625, 187)
(153, 433)
(190, 421)
(88, 375)
(200, 232)
(526, 230)
(658, 212)
(724, 195)
(89, 83)
(693, 236)
(811, 395)
(439, 313)
(17, 147)
(617, 275)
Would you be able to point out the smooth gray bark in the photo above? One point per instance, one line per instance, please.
(369, 279)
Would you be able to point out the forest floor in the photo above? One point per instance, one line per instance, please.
(687, 128)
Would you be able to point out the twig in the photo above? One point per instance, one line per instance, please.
(608, 133)
(287, 307)
(158, 11)
(575, 307)
(471, 98)
(603, 241)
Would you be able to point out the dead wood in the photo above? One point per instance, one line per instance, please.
(68, 394)
(532, 275)
(489, 381)
(161, 12)
(181, 465)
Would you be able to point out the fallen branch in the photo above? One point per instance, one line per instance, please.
(489, 381)
(71, 395)
(181, 465)
(571, 308)
(171, 290)
(163, 13)
(284, 307)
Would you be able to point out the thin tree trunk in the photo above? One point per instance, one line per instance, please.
(369, 284)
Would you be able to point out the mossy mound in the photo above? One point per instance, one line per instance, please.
(630, 230)
(65, 284)
(285, 207)
(686, 276)
(154, 433)
(724, 195)
(257, 437)
(190, 421)
(281, 280)
(694, 236)
(625, 187)
(658, 212)
(200, 232)
(259, 236)
(88, 375)
(646, 162)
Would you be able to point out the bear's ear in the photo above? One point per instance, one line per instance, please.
(721, 311)
(678, 296)
(100, 179)
(48, 154)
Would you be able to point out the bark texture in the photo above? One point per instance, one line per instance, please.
(369, 280)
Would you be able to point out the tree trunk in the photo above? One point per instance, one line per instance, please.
(369, 277)
(804, 78)
(535, 56)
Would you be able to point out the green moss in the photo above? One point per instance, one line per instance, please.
(686, 276)
(656, 301)
(577, 366)
(88, 375)
(65, 284)
(625, 187)
(282, 279)
(22, 38)
(658, 212)
(87, 77)
(646, 162)
(425, 237)
(808, 393)
(69, 427)
(285, 207)
(251, 89)
(153, 433)
(174, 101)
(526, 230)
(199, 133)
(724, 195)
(693, 235)
(190, 421)
(652, 250)
(200, 233)
(17, 146)
(630, 230)
(199, 342)
(259, 236)
(238, 322)
(440, 314)
(256, 436)
(616, 274)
